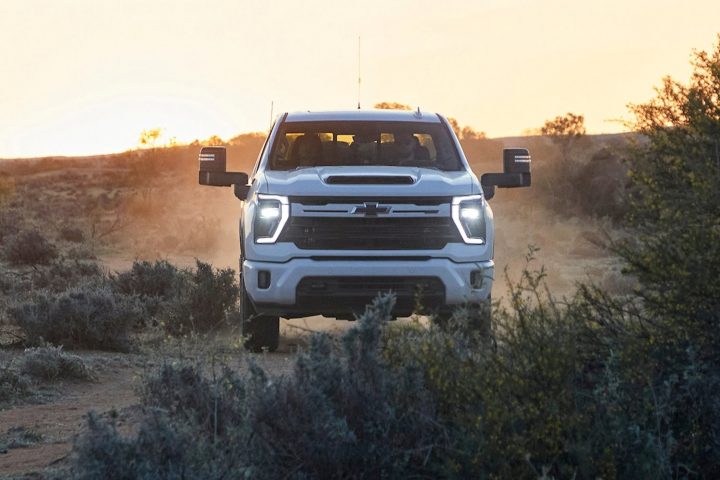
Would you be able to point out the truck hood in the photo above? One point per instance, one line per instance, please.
(370, 181)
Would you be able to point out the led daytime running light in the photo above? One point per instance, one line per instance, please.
(458, 214)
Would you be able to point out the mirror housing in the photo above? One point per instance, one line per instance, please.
(213, 159)
(241, 190)
(517, 160)
(212, 172)
(516, 172)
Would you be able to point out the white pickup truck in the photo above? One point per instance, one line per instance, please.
(343, 205)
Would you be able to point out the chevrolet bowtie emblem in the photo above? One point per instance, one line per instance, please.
(371, 209)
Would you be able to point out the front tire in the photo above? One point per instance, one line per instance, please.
(262, 332)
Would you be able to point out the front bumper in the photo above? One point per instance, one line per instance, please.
(281, 296)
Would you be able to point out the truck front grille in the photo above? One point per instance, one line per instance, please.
(370, 233)
(351, 294)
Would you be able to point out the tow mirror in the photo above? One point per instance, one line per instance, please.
(516, 172)
(212, 172)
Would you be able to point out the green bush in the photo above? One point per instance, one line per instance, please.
(29, 247)
(86, 316)
(51, 363)
(675, 253)
(675, 247)
(510, 405)
(568, 389)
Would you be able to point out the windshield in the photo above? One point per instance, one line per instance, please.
(348, 143)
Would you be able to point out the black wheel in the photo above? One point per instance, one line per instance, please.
(261, 331)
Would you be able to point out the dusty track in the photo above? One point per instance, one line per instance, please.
(59, 420)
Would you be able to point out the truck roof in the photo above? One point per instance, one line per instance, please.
(364, 115)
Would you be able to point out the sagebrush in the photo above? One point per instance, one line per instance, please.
(52, 363)
(29, 247)
(342, 413)
(182, 299)
(86, 316)
(201, 301)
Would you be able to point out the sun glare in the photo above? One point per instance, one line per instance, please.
(115, 125)
(86, 77)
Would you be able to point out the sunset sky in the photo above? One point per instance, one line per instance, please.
(87, 76)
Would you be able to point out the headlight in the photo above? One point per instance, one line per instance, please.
(467, 212)
(270, 216)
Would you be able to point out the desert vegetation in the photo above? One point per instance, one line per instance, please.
(597, 382)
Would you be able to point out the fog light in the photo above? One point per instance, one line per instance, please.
(477, 279)
(263, 279)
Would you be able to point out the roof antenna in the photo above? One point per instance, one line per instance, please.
(272, 108)
(358, 72)
(418, 114)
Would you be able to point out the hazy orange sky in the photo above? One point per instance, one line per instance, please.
(87, 76)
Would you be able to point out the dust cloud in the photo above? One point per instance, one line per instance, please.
(147, 205)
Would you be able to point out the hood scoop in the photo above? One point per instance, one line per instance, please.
(369, 180)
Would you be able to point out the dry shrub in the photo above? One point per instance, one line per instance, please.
(7, 188)
(342, 414)
(63, 274)
(590, 181)
(572, 389)
(18, 437)
(184, 300)
(201, 301)
(11, 222)
(86, 316)
(147, 279)
(29, 247)
(72, 234)
(13, 386)
(81, 252)
(51, 363)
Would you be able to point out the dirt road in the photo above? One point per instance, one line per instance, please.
(48, 429)
(55, 424)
